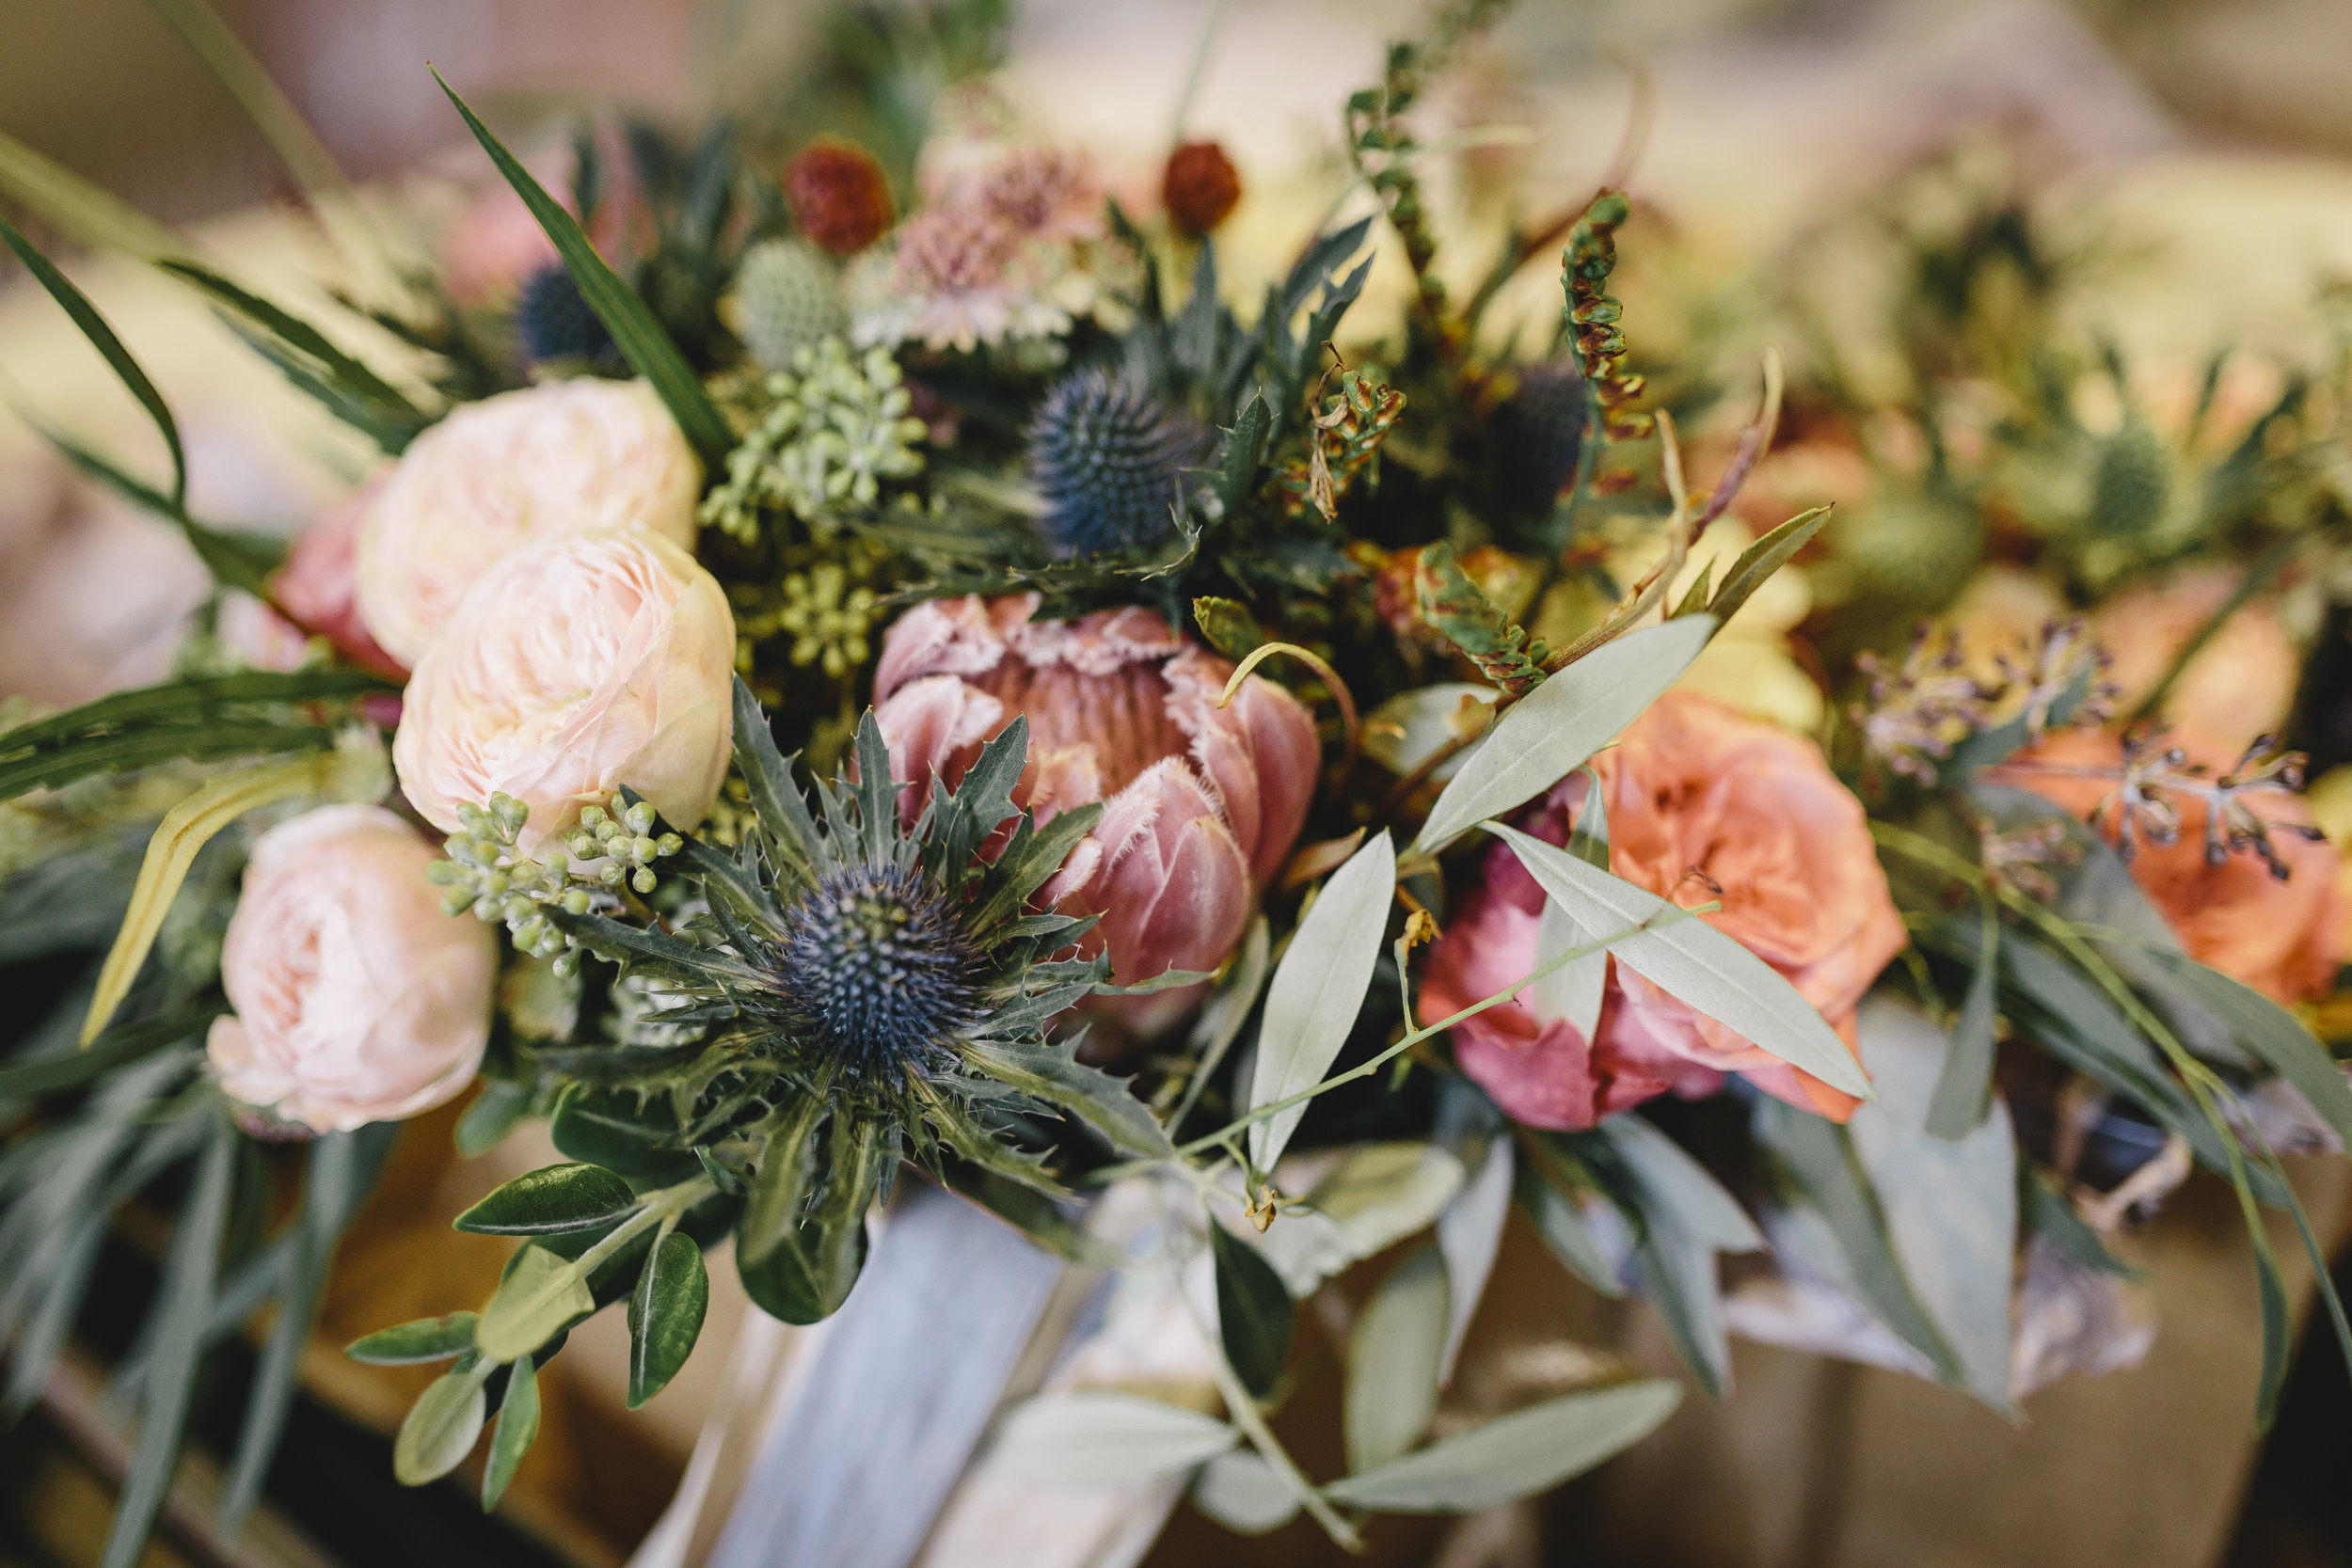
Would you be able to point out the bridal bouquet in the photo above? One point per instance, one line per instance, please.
(860, 664)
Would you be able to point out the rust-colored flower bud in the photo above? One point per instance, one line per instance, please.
(1200, 188)
(839, 196)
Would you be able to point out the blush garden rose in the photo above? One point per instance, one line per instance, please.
(574, 667)
(583, 456)
(357, 999)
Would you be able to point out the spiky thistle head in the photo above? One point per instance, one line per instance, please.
(1108, 459)
(553, 321)
(788, 296)
(878, 966)
(1538, 435)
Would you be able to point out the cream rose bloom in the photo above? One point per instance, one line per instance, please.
(357, 999)
(573, 667)
(583, 456)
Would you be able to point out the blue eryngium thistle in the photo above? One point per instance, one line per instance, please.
(854, 992)
(1539, 433)
(1108, 459)
(879, 965)
(553, 321)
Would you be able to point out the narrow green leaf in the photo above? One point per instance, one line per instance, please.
(265, 103)
(1684, 1219)
(440, 1428)
(1818, 1157)
(635, 330)
(1694, 962)
(2277, 1329)
(518, 1424)
(340, 1172)
(1513, 1456)
(553, 1202)
(1253, 1312)
(1761, 560)
(1375, 1196)
(540, 1298)
(1091, 1438)
(1469, 1233)
(2273, 1036)
(1392, 1361)
(2052, 1215)
(1555, 727)
(101, 337)
(493, 1113)
(1243, 1492)
(235, 558)
(84, 212)
(665, 1315)
(1949, 1206)
(182, 1306)
(119, 1047)
(425, 1339)
(1964, 1092)
(1317, 990)
(1559, 1221)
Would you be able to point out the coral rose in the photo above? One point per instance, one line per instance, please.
(1702, 804)
(1202, 804)
(357, 999)
(2283, 938)
(2241, 683)
(568, 457)
(574, 667)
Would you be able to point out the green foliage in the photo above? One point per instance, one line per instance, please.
(834, 429)
(1253, 1312)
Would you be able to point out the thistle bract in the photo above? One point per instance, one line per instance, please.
(1108, 459)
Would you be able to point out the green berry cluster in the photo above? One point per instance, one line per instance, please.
(485, 873)
(836, 428)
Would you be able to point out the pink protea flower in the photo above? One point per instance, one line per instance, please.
(1703, 803)
(1202, 804)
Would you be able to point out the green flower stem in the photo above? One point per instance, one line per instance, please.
(1245, 1415)
(1224, 1134)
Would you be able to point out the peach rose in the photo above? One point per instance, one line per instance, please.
(580, 664)
(2283, 938)
(2241, 683)
(357, 999)
(578, 456)
(1703, 804)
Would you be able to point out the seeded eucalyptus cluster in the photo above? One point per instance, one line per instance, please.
(611, 850)
(843, 991)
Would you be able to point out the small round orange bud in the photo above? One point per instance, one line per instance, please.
(1200, 188)
(839, 196)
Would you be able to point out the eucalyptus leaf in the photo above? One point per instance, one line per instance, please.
(1469, 1233)
(1253, 1311)
(1089, 1438)
(2052, 1215)
(1555, 727)
(1240, 1491)
(1394, 1356)
(665, 1314)
(1950, 1206)
(1964, 1093)
(519, 1425)
(440, 1428)
(1317, 990)
(1570, 994)
(1513, 1456)
(1685, 1218)
(556, 1200)
(1559, 1219)
(2273, 1036)
(408, 1345)
(540, 1297)
(1694, 962)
